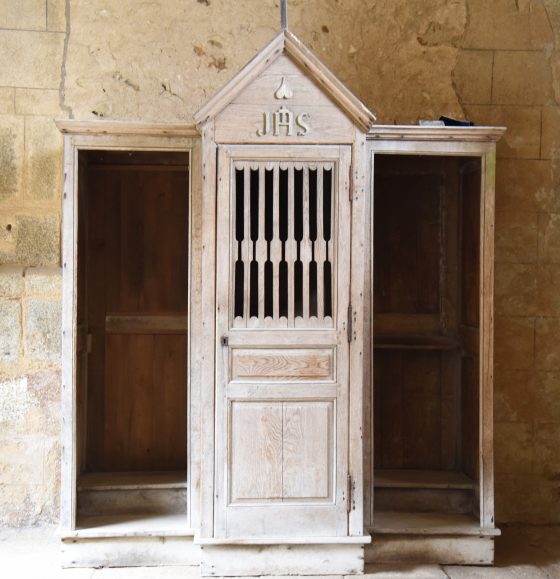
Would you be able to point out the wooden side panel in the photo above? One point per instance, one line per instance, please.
(408, 238)
(137, 270)
(408, 409)
(470, 315)
(307, 457)
(256, 451)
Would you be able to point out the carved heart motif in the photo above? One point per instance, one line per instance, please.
(284, 91)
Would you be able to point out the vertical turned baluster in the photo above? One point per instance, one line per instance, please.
(246, 253)
(305, 252)
(320, 246)
(328, 232)
(275, 245)
(291, 246)
(261, 243)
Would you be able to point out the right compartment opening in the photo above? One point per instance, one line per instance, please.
(426, 338)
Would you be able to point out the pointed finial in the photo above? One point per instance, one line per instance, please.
(284, 14)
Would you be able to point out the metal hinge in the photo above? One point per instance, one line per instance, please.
(349, 488)
(349, 323)
(350, 184)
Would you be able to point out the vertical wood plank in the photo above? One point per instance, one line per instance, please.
(69, 336)
(208, 335)
(487, 337)
(194, 446)
(357, 239)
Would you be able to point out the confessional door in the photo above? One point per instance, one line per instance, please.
(283, 274)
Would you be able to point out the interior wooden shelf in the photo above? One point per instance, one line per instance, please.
(175, 525)
(421, 479)
(399, 523)
(109, 481)
(415, 342)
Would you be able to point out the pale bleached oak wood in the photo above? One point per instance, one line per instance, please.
(119, 551)
(307, 450)
(282, 365)
(282, 559)
(195, 350)
(98, 128)
(255, 440)
(358, 276)
(448, 550)
(207, 330)
(245, 460)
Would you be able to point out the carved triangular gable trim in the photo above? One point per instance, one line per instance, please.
(287, 43)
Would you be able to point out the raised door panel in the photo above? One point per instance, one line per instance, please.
(256, 451)
(307, 453)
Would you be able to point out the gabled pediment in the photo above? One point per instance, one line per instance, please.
(287, 45)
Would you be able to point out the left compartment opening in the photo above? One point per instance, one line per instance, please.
(133, 248)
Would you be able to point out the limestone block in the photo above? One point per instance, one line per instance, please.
(28, 15)
(513, 447)
(524, 185)
(10, 330)
(514, 395)
(7, 100)
(36, 58)
(22, 461)
(507, 24)
(43, 160)
(14, 401)
(547, 353)
(550, 144)
(473, 76)
(516, 289)
(37, 101)
(44, 397)
(547, 397)
(11, 155)
(43, 280)
(548, 285)
(56, 15)
(11, 281)
(521, 78)
(523, 136)
(514, 343)
(42, 328)
(549, 237)
(547, 460)
(38, 240)
(516, 238)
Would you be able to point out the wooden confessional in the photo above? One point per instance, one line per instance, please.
(277, 334)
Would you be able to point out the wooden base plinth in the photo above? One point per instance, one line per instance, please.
(442, 550)
(288, 559)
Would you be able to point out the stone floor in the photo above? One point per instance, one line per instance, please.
(521, 553)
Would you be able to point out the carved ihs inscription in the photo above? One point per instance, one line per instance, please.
(284, 121)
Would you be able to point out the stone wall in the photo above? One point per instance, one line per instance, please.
(495, 62)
